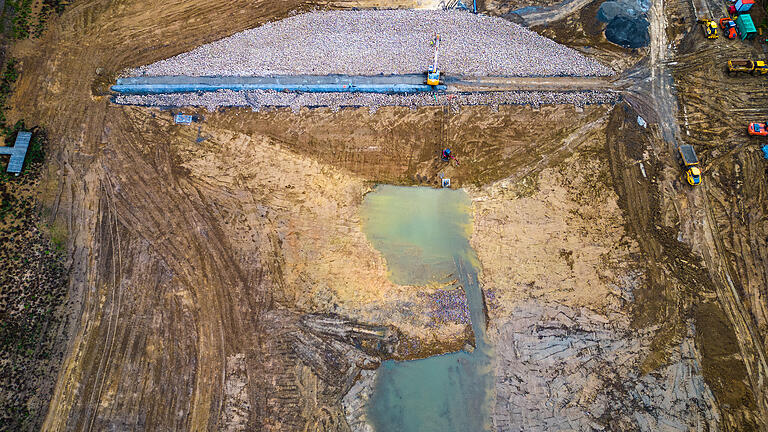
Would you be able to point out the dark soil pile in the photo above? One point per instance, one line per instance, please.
(628, 32)
(627, 22)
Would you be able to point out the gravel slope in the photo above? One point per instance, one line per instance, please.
(262, 99)
(381, 42)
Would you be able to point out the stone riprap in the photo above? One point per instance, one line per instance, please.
(388, 42)
(448, 306)
(264, 99)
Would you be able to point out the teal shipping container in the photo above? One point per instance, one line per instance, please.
(745, 26)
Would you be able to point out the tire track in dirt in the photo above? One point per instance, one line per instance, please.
(717, 108)
(115, 311)
(79, 44)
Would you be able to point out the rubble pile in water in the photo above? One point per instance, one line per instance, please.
(448, 306)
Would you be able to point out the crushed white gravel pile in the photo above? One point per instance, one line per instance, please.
(265, 99)
(385, 42)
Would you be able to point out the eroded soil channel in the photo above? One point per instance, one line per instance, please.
(424, 235)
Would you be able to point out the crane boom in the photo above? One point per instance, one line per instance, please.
(433, 75)
(437, 51)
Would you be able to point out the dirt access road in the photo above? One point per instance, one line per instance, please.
(697, 73)
(206, 252)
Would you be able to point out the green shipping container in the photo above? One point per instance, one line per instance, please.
(745, 26)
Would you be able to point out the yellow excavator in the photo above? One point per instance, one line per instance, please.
(433, 75)
(710, 28)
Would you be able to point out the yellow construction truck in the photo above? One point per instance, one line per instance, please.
(748, 66)
(691, 164)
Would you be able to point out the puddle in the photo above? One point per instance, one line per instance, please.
(418, 230)
(423, 234)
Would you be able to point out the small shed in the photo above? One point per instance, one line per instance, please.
(745, 26)
(18, 152)
(182, 119)
(743, 6)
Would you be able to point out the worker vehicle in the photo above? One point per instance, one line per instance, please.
(710, 28)
(691, 164)
(447, 156)
(759, 129)
(729, 27)
(433, 75)
(748, 66)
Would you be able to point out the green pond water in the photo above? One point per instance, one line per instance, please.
(423, 234)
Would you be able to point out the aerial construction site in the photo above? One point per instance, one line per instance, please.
(374, 216)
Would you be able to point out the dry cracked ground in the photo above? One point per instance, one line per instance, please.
(219, 278)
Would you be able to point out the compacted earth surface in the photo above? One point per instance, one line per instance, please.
(223, 275)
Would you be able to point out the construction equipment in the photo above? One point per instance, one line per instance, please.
(729, 27)
(433, 75)
(743, 6)
(691, 164)
(758, 129)
(748, 66)
(710, 28)
(447, 156)
(453, 4)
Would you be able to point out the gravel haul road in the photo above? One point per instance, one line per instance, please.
(381, 42)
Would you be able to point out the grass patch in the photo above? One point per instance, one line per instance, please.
(9, 77)
(34, 281)
(34, 276)
(57, 231)
(23, 21)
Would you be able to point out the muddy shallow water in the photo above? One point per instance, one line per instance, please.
(424, 235)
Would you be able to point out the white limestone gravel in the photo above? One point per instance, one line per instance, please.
(386, 42)
(263, 99)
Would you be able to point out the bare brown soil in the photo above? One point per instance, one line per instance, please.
(557, 233)
(203, 256)
(715, 110)
(400, 145)
(679, 286)
(190, 247)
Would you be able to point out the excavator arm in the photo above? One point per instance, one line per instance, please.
(433, 75)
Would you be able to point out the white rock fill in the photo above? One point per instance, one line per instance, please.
(385, 42)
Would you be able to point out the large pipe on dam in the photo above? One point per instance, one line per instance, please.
(147, 85)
